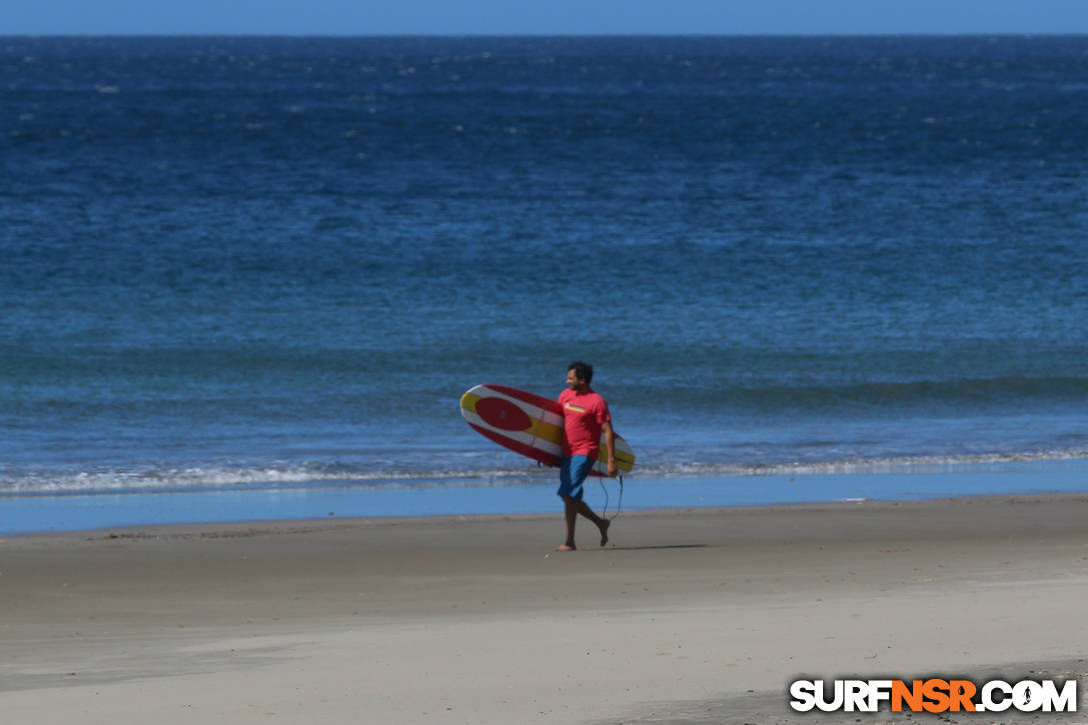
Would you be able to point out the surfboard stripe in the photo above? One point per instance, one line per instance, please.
(536, 406)
(522, 437)
(535, 453)
(623, 458)
(548, 432)
(555, 419)
(531, 398)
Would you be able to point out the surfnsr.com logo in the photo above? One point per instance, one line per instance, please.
(934, 695)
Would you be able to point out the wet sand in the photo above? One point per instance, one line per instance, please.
(696, 615)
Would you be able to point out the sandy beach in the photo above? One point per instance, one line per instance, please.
(688, 616)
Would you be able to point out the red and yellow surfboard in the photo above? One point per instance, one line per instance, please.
(530, 425)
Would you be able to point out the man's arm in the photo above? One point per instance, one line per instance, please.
(609, 444)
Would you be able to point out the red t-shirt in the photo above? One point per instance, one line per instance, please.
(583, 416)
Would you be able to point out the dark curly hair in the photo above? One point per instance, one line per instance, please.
(583, 370)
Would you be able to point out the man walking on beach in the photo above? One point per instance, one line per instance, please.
(585, 417)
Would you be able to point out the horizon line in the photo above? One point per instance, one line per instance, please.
(518, 35)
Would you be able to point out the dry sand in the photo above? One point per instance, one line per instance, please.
(692, 616)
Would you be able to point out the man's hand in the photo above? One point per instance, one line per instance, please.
(610, 447)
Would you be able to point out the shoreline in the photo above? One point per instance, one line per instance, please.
(693, 615)
(939, 511)
(73, 511)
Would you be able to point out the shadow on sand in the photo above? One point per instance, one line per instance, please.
(653, 548)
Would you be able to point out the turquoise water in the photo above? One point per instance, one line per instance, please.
(31, 514)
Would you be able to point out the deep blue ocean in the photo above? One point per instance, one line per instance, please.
(265, 266)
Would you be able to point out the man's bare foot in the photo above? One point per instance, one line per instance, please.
(604, 531)
(566, 547)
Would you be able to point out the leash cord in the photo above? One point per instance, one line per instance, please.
(619, 501)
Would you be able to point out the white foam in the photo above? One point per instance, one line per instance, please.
(302, 475)
(903, 465)
(182, 479)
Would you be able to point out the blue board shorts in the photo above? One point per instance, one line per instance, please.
(572, 474)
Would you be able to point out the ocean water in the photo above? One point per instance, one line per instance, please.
(265, 267)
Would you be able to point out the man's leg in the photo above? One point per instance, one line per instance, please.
(575, 506)
(570, 512)
(572, 474)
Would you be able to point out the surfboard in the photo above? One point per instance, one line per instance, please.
(531, 425)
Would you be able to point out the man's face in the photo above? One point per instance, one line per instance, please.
(573, 381)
